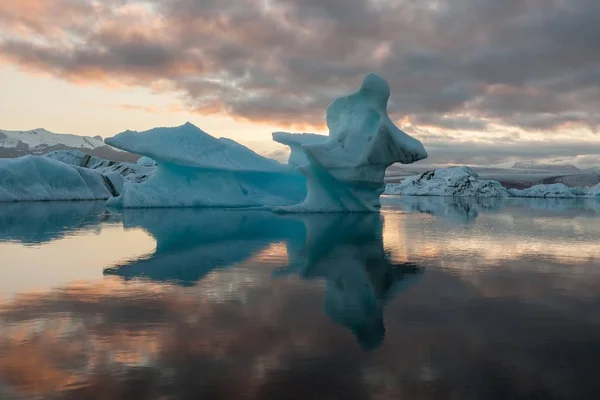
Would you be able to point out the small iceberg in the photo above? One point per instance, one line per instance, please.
(465, 182)
(37, 178)
(555, 190)
(455, 182)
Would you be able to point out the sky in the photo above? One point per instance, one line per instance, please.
(477, 81)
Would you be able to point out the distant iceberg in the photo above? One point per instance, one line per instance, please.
(465, 182)
(555, 190)
(456, 182)
(195, 169)
(38, 178)
(593, 191)
(346, 172)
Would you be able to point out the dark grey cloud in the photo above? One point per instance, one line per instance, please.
(531, 64)
(464, 123)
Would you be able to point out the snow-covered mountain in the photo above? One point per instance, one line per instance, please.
(41, 141)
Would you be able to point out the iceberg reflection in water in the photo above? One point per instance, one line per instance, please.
(42, 222)
(345, 250)
(502, 296)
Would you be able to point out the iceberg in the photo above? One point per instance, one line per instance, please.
(146, 162)
(465, 182)
(589, 191)
(38, 178)
(455, 182)
(346, 172)
(556, 190)
(593, 191)
(195, 169)
(139, 171)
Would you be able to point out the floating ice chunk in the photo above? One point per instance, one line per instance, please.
(36, 178)
(593, 191)
(146, 162)
(556, 190)
(195, 169)
(457, 181)
(346, 172)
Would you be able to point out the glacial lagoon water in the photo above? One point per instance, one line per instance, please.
(433, 299)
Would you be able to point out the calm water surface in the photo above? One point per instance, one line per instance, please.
(433, 299)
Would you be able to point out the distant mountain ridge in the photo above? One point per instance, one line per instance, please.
(41, 141)
(558, 168)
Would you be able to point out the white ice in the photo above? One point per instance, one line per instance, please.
(35, 178)
(295, 141)
(146, 162)
(465, 182)
(594, 191)
(194, 169)
(457, 181)
(556, 190)
(346, 172)
(134, 172)
(43, 138)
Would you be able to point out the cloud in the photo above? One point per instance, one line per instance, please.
(453, 65)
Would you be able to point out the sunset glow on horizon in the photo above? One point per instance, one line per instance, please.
(475, 81)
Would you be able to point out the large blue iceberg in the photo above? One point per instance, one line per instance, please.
(197, 170)
(346, 171)
(340, 172)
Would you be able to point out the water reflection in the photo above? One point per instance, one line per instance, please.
(345, 250)
(467, 209)
(42, 222)
(230, 306)
(190, 243)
